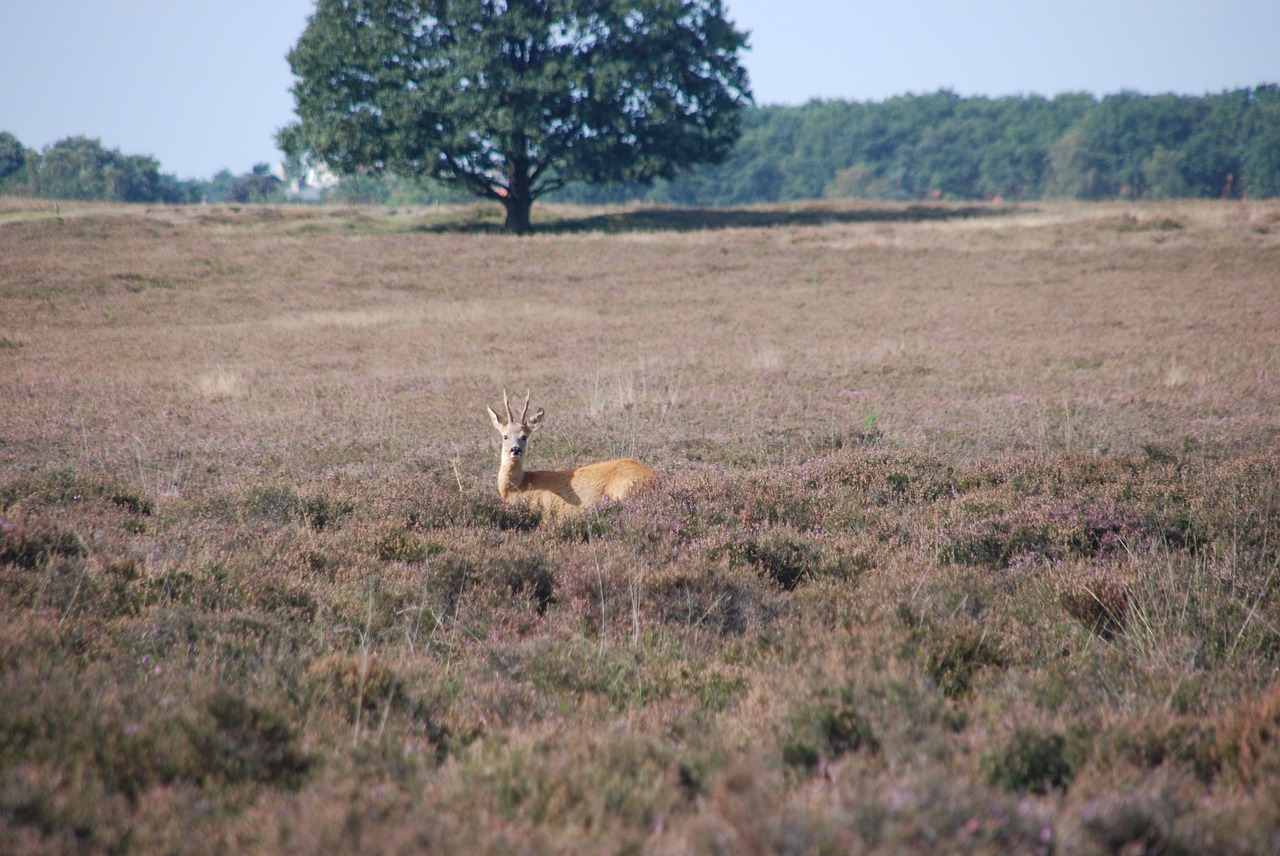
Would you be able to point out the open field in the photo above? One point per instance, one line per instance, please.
(967, 537)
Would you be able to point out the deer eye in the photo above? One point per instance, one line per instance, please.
(504, 436)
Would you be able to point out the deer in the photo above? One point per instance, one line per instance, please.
(558, 493)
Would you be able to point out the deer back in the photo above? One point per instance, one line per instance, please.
(569, 492)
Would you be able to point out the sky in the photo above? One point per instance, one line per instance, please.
(203, 85)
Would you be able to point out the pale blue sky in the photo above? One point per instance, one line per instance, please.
(203, 84)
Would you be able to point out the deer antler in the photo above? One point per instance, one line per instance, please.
(507, 404)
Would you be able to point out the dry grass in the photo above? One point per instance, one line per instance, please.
(966, 541)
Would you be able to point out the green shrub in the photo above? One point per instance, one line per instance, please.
(581, 528)
(132, 758)
(1099, 602)
(530, 576)
(449, 579)
(717, 692)
(243, 742)
(486, 510)
(785, 560)
(355, 682)
(28, 545)
(1032, 761)
(270, 503)
(952, 652)
(394, 543)
(133, 503)
(831, 725)
(320, 512)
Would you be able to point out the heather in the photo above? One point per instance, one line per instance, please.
(965, 539)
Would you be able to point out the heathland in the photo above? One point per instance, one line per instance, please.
(966, 538)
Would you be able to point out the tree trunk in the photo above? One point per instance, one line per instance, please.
(519, 198)
(518, 208)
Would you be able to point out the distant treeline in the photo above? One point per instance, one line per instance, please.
(81, 168)
(912, 147)
(943, 146)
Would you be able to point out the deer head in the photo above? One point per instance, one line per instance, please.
(515, 433)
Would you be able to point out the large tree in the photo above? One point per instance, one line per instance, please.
(514, 98)
(81, 168)
(13, 159)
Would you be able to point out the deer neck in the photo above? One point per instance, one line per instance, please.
(510, 476)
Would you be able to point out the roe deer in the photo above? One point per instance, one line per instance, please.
(558, 493)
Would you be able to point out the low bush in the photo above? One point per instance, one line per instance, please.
(827, 727)
(1033, 761)
(238, 741)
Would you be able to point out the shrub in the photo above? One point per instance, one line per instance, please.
(1097, 600)
(952, 651)
(1071, 529)
(1138, 822)
(394, 543)
(270, 503)
(1249, 738)
(712, 597)
(1032, 761)
(28, 545)
(830, 725)
(292, 602)
(133, 503)
(582, 528)
(1151, 742)
(449, 580)
(789, 560)
(239, 741)
(132, 758)
(786, 561)
(320, 511)
(354, 682)
(529, 574)
(476, 510)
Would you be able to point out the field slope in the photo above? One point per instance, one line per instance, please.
(966, 540)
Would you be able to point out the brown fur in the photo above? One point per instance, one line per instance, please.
(559, 493)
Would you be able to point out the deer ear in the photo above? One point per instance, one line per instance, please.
(535, 422)
(497, 423)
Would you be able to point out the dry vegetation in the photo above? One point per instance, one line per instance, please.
(967, 538)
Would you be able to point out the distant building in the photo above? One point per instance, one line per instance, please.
(311, 186)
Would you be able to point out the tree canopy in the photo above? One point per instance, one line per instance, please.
(515, 98)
